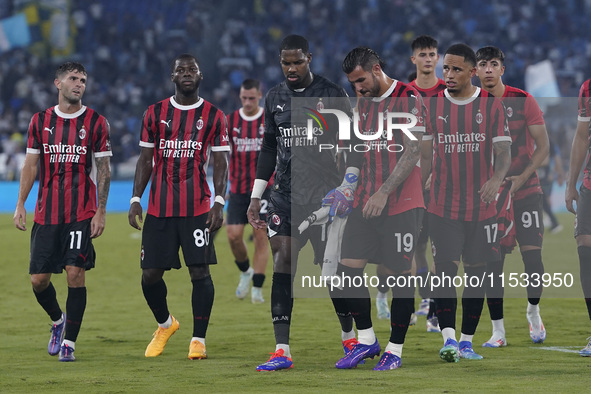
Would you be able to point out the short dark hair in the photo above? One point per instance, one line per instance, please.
(69, 66)
(293, 41)
(250, 83)
(364, 57)
(422, 42)
(463, 50)
(184, 56)
(489, 53)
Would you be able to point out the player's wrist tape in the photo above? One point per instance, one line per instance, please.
(220, 200)
(258, 188)
(135, 199)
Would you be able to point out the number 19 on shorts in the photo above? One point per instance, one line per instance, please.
(201, 237)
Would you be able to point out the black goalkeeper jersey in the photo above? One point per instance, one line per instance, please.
(306, 169)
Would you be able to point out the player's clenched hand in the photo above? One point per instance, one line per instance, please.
(215, 218)
(135, 212)
(20, 217)
(375, 205)
(253, 212)
(571, 195)
(488, 191)
(97, 224)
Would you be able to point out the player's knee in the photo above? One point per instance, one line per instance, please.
(475, 281)
(40, 282)
(151, 276)
(198, 272)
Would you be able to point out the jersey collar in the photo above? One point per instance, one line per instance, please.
(69, 116)
(185, 107)
(250, 118)
(462, 102)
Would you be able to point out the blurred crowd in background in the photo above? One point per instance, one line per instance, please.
(128, 47)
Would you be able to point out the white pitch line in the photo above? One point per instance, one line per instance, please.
(564, 349)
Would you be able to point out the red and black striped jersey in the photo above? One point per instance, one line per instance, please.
(246, 138)
(522, 111)
(463, 133)
(585, 116)
(382, 155)
(439, 86)
(67, 145)
(182, 137)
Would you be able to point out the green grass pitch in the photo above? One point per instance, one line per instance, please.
(118, 325)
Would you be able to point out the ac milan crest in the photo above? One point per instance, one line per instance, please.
(320, 105)
(261, 129)
(479, 118)
(199, 124)
(276, 220)
(82, 133)
(509, 111)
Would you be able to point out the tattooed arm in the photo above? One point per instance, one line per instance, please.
(103, 176)
(403, 168)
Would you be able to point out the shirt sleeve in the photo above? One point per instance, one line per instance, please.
(585, 102)
(33, 141)
(221, 142)
(102, 144)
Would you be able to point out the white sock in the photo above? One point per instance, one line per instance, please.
(60, 321)
(167, 323)
(394, 348)
(448, 333)
(71, 345)
(533, 315)
(345, 336)
(468, 338)
(367, 336)
(498, 328)
(202, 340)
(285, 348)
(382, 295)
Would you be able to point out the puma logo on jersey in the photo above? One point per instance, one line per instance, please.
(281, 107)
(443, 118)
(50, 130)
(237, 130)
(165, 122)
(364, 115)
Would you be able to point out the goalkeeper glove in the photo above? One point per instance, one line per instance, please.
(341, 198)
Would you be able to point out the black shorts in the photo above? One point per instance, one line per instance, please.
(424, 233)
(387, 240)
(57, 245)
(472, 242)
(238, 205)
(583, 218)
(162, 238)
(283, 219)
(529, 224)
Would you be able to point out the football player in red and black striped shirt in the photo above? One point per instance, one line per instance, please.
(246, 129)
(468, 125)
(176, 137)
(388, 205)
(529, 148)
(71, 144)
(583, 196)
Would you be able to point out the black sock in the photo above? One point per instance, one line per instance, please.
(48, 301)
(532, 260)
(432, 308)
(400, 310)
(258, 280)
(281, 306)
(494, 288)
(75, 306)
(472, 300)
(202, 301)
(446, 299)
(155, 295)
(341, 307)
(243, 266)
(585, 274)
(358, 300)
